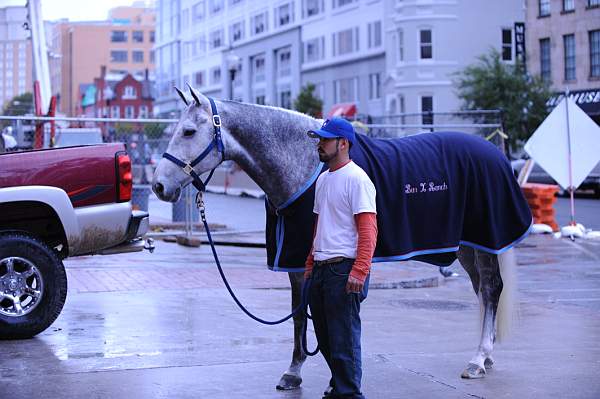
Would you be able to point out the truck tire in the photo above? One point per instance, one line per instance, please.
(33, 286)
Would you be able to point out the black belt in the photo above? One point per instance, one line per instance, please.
(330, 261)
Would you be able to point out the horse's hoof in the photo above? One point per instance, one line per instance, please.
(473, 371)
(288, 382)
(488, 363)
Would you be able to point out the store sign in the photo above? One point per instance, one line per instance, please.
(588, 100)
(520, 42)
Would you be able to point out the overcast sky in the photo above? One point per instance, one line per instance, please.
(74, 10)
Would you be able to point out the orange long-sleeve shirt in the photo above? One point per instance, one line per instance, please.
(366, 226)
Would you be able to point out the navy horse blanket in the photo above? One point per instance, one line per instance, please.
(435, 192)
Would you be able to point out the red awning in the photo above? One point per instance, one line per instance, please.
(347, 110)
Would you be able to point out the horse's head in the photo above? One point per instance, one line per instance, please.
(192, 135)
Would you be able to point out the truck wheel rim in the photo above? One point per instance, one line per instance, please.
(21, 286)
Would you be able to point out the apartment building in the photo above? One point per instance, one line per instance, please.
(123, 43)
(563, 46)
(379, 56)
(15, 54)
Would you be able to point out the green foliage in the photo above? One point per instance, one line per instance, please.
(493, 84)
(308, 103)
(154, 130)
(18, 105)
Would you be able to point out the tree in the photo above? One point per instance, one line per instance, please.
(18, 105)
(493, 84)
(308, 103)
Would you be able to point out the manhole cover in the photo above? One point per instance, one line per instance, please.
(432, 304)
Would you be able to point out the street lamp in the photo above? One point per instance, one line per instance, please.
(233, 65)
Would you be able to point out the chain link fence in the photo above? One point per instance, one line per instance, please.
(147, 139)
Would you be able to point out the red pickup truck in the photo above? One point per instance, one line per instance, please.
(56, 203)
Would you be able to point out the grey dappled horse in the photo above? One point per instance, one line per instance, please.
(271, 145)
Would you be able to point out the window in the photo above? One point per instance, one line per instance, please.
(216, 39)
(568, 5)
(216, 6)
(545, 68)
(259, 99)
(118, 56)
(283, 57)
(258, 67)
(185, 19)
(506, 44)
(314, 49)
(319, 91)
(595, 53)
(236, 31)
(115, 111)
(341, 3)
(199, 79)
(199, 46)
(345, 90)
(129, 93)
(593, 3)
(237, 81)
(137, 36)
(118, 36)
(137, 56)
(285, 97)
(143, 113)
(152, 56)
(259, 23)
(544, 6)
(427, 110)
(234, 2)
(374, 86)
(311, 8)
(569, 49)
(400, 45)
(198, 11)
(215, 75)
(374, 34)
(283, 14)
(129, 111)
(426, 44)
(152, 36)
(345, 42)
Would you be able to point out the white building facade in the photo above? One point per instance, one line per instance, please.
(15, 54)
(384, 56)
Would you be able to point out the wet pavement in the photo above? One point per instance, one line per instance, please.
(163, 326)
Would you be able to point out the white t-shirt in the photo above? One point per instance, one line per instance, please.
(339, 195)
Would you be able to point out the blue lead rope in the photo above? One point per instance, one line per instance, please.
(305, 287)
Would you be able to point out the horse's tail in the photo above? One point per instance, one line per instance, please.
(507, 314)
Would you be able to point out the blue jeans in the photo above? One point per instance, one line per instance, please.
(336, 319)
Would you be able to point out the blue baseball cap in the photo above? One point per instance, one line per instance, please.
(333, 128)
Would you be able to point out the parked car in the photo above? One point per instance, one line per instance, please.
(539, 175)
(59, 203)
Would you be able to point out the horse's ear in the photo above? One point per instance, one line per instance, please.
(198, 98)
(185, 100)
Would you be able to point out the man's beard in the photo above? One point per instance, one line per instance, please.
(324, 157)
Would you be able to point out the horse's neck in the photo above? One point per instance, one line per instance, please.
(271, 146)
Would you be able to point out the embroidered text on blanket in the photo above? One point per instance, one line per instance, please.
(425, 187)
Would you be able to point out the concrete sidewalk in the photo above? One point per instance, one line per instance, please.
(162, 326)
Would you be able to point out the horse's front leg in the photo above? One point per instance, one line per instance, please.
(490, 289)
(292, 379)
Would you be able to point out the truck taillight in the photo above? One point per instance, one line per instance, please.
(124, 181)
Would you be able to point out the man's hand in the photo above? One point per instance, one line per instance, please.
(307, 275)
(354, 285)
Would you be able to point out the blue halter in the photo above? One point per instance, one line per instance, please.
(217, 142)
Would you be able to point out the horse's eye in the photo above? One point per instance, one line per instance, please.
(189, 132)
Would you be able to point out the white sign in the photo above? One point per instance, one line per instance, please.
(549, 144)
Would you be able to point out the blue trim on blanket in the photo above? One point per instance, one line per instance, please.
(280, 228)
(501, 250)
(305, 187)
(287, 270)
(413, 254)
